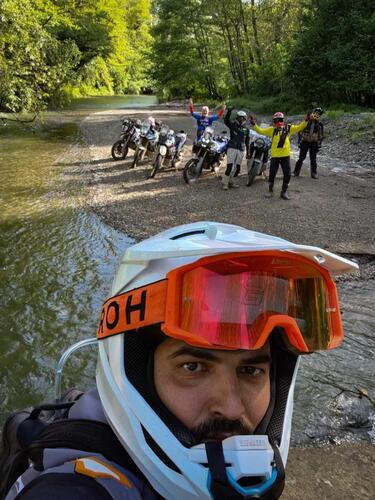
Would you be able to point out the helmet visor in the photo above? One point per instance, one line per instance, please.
(235, 301)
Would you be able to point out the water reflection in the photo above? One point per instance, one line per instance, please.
(335, 391)
(57, 262)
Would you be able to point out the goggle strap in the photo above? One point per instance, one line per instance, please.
(131, 310)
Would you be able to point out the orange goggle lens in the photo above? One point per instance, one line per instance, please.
(234, 302)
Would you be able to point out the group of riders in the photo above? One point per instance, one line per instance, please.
(310, 133)
(243, 132)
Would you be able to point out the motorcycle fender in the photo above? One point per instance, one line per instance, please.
(163, 150)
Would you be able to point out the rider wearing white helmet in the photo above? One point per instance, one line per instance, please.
(239, 143)
(200, 316)
(198, 355)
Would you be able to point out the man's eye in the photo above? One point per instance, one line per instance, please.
(192, 366)
(250, 370)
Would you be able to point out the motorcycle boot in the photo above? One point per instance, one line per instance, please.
(314, 174)
(270, 191)
(284, 195)
(225, 182)
(233, 183)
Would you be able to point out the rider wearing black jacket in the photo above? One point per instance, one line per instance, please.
(238, 143)
(310, 140)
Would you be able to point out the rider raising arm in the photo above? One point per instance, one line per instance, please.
(203, 118)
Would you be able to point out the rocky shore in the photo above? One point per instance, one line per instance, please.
(336, 212)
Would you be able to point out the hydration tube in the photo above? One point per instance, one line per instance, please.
(63, 360)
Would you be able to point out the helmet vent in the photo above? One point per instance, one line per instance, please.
(190, 233)
(319, 258)
(249, 481)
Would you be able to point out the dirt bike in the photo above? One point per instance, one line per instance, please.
(257, 163)
(168, 148)
(130, 131)
(210, 151)
(146, 144)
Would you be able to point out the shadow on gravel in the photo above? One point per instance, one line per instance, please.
(82, 163)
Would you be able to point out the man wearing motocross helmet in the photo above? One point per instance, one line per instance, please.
(310, 140)
(280, 149)
(204, 119)
(239, 142)
(198, 353)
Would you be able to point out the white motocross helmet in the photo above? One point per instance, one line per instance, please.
(162, 448)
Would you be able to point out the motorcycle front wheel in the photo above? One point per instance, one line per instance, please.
(252, 172)
(191, 171)
(119, 150)
(156, 166)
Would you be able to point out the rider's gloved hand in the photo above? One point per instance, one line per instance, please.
(307, 117)
(252, 120)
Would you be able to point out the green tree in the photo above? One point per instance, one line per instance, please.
(334, 58)
(50, 48)
(33, 64)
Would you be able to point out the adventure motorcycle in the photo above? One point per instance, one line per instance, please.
(169, 148)
(130, 132)
(210, 153)
(146, 144)
(257, 163)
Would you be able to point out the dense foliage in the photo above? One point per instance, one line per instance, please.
(309, 51)
(304, 51)
(50, 49)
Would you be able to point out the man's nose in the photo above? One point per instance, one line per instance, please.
(227, 398)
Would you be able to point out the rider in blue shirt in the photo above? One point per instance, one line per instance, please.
(203, 118)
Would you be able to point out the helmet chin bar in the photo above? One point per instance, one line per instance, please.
(249, 458)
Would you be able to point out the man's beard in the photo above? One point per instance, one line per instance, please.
(219, 428)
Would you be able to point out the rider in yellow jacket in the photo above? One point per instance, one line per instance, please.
(280, 149)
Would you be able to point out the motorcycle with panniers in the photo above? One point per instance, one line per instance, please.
(130, 133)
(168, 149)
(209, 153)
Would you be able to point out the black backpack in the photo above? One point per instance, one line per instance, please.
(28, 432)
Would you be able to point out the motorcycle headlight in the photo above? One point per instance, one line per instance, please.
(259, 143)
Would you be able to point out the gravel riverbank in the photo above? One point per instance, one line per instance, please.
(336, 212)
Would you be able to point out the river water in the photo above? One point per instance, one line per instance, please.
(57, 264)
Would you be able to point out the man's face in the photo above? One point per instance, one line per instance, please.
(215, 393)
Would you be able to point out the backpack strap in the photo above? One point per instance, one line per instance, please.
(86, 435)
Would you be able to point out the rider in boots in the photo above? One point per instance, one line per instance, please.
(280, 149)
(239, 143)
(310, 140)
